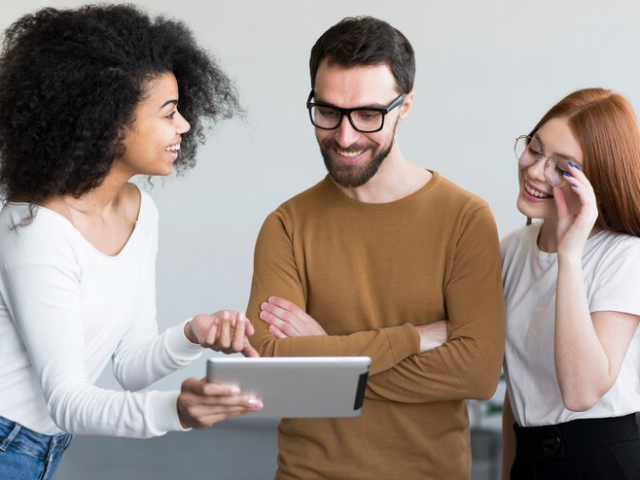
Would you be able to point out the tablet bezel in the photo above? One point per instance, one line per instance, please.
(297, 387)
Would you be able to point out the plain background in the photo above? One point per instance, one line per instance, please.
(486, 72)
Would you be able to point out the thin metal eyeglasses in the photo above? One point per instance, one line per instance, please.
(528, 151)
(362, 119)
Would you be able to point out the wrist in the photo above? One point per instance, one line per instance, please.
(570, 259)
(188, 332)
(182, 417)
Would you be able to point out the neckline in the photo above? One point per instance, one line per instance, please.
(435, 179)
(554, 255)
(64, 221)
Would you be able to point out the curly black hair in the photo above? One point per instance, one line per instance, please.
(70, 81)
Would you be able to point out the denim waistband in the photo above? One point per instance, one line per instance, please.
(37, 444)
(564, 440)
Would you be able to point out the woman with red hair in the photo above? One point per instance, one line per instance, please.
(571, 284)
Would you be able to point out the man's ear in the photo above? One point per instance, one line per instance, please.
(405, 107)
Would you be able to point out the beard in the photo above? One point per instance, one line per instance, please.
(352, 176)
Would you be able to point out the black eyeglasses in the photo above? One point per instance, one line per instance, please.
(362, 119)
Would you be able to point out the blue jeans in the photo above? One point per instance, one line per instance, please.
(29, 455)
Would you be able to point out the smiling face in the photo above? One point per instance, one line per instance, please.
(352, 157)
(553, 139)
(153, 141)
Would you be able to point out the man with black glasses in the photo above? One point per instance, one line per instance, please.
(370, 261)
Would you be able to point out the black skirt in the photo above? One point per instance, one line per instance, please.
(589, 449)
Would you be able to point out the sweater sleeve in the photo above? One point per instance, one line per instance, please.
(468, 364)
(277, 273)
(42, 290)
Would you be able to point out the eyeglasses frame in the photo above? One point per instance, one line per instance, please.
(399, 100)
(539, 155)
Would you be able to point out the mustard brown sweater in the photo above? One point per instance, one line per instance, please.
(368, 273)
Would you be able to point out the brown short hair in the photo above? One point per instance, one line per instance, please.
(366, 41)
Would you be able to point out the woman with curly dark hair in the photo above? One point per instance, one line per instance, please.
(88, 99)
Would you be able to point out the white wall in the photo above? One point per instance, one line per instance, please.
(487, 71)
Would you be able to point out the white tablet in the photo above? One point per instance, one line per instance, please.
(294, 387)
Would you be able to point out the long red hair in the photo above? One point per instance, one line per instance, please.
(605, 126)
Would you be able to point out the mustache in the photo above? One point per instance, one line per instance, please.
(330, 143)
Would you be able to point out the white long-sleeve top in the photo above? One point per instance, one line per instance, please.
(66, 309)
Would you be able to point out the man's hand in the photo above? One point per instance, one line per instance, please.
(225, 331)
(286, 319)
(432, 335)
(201, 404)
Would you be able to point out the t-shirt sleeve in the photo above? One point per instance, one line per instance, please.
(616, 285)
(276, 273)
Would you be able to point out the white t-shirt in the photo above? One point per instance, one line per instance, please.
(611, 269)
(66, 309)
